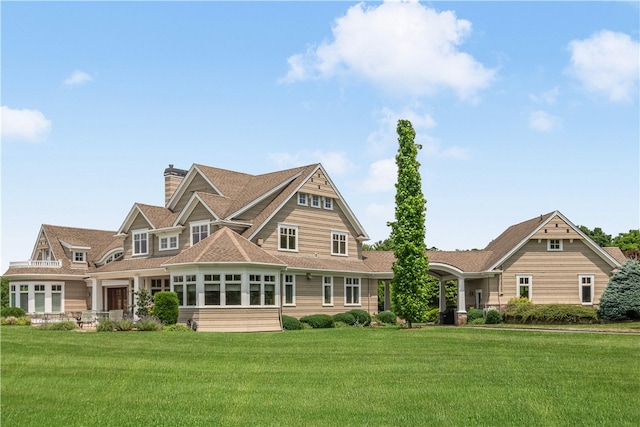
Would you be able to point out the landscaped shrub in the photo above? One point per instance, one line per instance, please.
(346, 318)
(473, 314)
(621, 298)
(363, 318)
(12, 311)
(165, 307)
(517, 309)
(476, 321)
(291, 323)
(493, 317)
(106, 325)
(318, 321)
(124, 325)
(9, 320)
(23, 321)
(177, 328)
(387, 317)
(66, 325)
(432, 315)
(149, 323)
(560, 314)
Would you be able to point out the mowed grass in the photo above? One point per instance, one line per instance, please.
(435, 376)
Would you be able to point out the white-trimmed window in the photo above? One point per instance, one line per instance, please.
(212, 289)
(178, 288)
(159, 285)
(38, 294)
(586, 283)
(56, 298)
(185, 287)
(79, 256)
(140, 242)
(168, 242)
(19, 296)
(289, 289)
(302, 199)
(315, 201)
(199, 231)
(351, 291)
(288, 237)
(45, 255)
(327, 290)
(37, 297)
(328, 203)
(524, 283)
(554, 244)
(262, 289)
(339, 241)
(233, 289)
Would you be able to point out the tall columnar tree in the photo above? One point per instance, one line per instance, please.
(409, 285)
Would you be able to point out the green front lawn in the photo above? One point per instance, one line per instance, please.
(442, 376)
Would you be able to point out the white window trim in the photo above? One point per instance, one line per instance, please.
(306, 199)
(15, 291)
(592, 285)
(168, 238)
(330, 285)
(288, 226)
(324, 203)
(311, 198)
(198, 224)
(284, 290)
(359, 286)
(135, 233)
(530, 277)
(550, 249)
(335, 233)
(79, 254)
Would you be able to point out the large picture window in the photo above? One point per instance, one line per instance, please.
(288, 237)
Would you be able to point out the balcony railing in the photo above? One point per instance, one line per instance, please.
(36, 263)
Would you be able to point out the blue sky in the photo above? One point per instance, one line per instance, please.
(521, 108)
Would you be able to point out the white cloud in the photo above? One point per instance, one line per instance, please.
(543, 121)
(335, 163)
(24, 125)
(381, 212)
(549, 97)
(77, 78)
(385, 136)
(607, 63)
(404, 47)
(382, 176)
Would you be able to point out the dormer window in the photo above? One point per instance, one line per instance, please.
(302, 199)
(315, 201)
(140, 242)
(168, 242)
(199, 231)
(554, 244)
(45, 255)
(79, 256)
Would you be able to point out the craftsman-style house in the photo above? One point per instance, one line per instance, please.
(240, 250)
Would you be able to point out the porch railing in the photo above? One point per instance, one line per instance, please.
(36, 263)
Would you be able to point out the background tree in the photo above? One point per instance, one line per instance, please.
(597, 235)
(621, 298)
(629, 242)
(410, 270)
(4, 293)
(380, 245)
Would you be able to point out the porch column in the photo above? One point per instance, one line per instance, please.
(442, 302)
(387, 295)
(461, 318)
(136, 288)
(96, 295)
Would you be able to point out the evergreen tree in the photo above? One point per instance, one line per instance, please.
(410, 295)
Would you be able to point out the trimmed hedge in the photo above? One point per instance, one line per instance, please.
(165, 307)
(474, 313)
(346, 318)
(387, 317)
(318, 321)
(560, 313)
(493, 317)
(291, 323)
(12, 311)
(363, 318)
(517, 308)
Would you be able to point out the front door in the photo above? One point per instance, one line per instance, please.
(117, 299)
(479, 301)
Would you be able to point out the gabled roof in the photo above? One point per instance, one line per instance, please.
(224, 246)
(156, 216)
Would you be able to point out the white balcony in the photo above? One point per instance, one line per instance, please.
(35, 263)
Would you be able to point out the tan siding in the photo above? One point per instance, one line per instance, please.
(197, 184)
(557, 229)
(251, 213)
(233, 319)
(314, 229)
(555, 274)
(75, 296)
(139, 223)
(319, 185)
(309, 297)
(200, 213)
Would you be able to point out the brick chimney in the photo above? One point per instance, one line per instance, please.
(172, 178)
